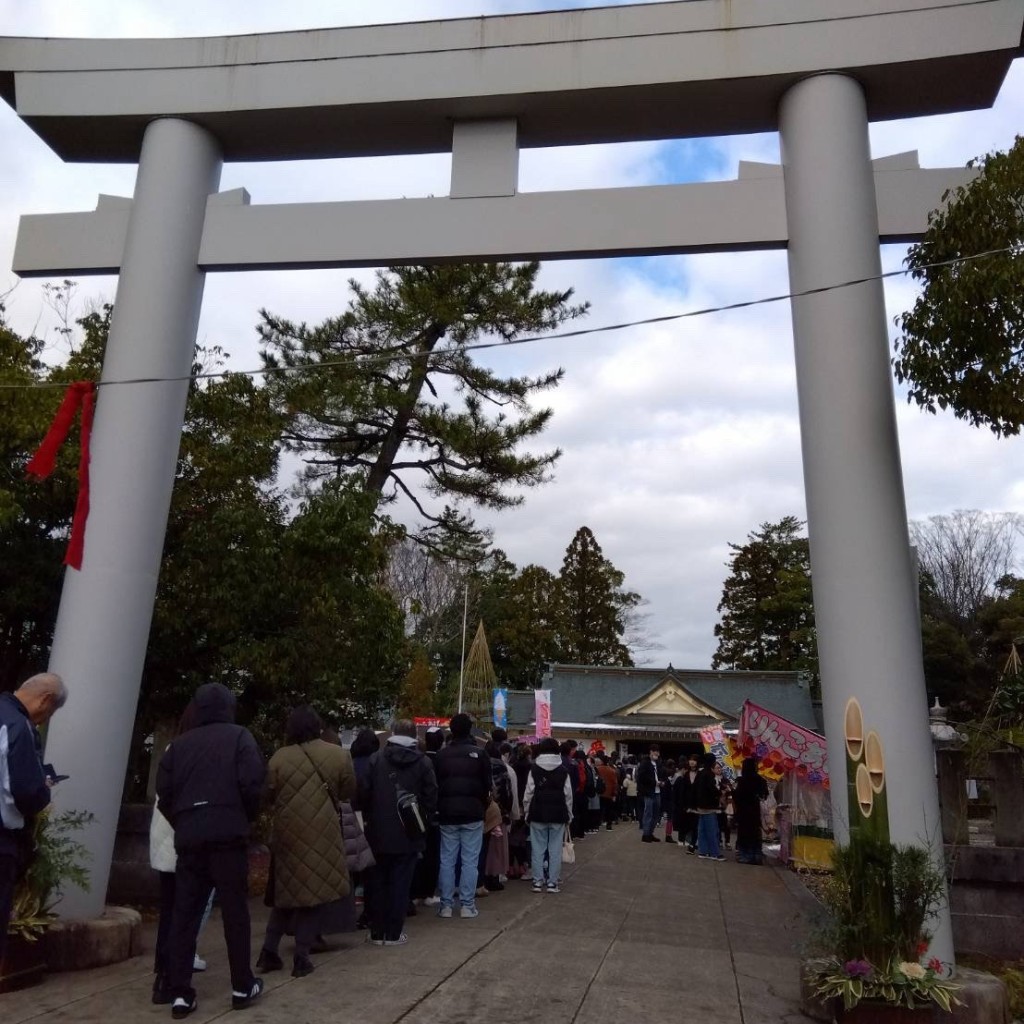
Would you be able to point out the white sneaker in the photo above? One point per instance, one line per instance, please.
(198, 964)
(468, 912)
(400, 941)
(445, 912)
(431, 901)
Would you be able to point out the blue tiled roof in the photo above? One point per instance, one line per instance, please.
(588, 694)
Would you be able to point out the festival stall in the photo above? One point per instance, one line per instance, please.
(798, 760)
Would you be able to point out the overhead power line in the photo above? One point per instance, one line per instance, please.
(400, 352)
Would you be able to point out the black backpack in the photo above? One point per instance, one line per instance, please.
(502, 787)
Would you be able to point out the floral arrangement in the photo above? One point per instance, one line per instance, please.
(901, 983)
(879, 899)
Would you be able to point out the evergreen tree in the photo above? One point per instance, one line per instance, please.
(767, 608)
(960, 346)
(403, 405)
(418, 696)
(591, 606)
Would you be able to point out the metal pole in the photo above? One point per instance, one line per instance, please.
(462, 667)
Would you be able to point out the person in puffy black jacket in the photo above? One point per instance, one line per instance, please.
(464, 788)
(399, 767)
(209, 784)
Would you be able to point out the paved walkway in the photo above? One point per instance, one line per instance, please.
(639, 932)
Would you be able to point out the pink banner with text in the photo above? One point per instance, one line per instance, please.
(542, 711)
(781, 744)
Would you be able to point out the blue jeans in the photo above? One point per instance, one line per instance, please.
(707, 835)
(652, 814)
(546, 837)
(456, 839)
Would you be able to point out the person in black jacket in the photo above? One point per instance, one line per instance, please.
(648, 791)
(25, 790)
(708, 803)
(463, 791)
(751, 789)
(209, 784)
(399, 767)
(424, 880)
(684, 806)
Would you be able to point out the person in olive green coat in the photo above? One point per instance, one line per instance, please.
(306, 779)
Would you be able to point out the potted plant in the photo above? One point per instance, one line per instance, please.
(59, 861)
(878, 902)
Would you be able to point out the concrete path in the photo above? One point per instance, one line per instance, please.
(639, 931)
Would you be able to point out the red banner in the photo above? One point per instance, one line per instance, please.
(781, 744)
(442, 722)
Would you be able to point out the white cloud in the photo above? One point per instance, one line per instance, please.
(679, 437)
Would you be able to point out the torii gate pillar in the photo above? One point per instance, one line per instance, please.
(105, 610)
(869, 639)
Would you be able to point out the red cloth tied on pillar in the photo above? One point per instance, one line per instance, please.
(80, 394)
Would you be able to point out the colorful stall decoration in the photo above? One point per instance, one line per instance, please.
(715, 742)
(597, 747)
(781, 744)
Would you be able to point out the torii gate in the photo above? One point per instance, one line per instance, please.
(816, 70)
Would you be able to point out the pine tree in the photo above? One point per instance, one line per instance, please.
(403, 406)
(591, 605)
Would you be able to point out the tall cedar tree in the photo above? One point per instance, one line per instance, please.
(962, 345)
(767, 608)
(399, 401)
(591, 606)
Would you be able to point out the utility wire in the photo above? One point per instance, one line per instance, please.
(400, 352)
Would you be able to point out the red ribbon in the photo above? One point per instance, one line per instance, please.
(80, 394)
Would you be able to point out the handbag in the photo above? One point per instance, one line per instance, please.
(568, 851)
(326, 785)
(492, 816)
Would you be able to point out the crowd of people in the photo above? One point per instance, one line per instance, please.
(406, 826)
(699, 805)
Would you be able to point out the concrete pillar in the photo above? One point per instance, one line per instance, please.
(869, 641)
(105, 610)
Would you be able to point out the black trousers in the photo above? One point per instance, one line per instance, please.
(225, 869)
(8, 877)
(391, 881)
(610, 811)
(304, 921)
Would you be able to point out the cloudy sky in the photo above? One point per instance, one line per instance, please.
(678, 439)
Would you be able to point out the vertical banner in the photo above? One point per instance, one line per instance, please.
(542, 711)
(500, 714)
(715, 743)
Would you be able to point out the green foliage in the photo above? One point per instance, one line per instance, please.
(59, 861)
(531, 616)
(404, 401)
(590, 605)
(418, 695)
(961, 344)
(35, 516)
(335, 639)
(767, 607)
(879, 899)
